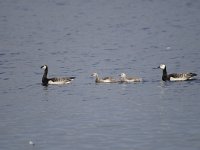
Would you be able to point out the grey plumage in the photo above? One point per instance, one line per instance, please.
(103, 80)
(124, 78)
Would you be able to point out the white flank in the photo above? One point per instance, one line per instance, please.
(178, 79)
(107, 81)
(129, 81)
(58, 82)
(191, 78)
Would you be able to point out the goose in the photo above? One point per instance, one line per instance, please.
(124, 78)
(103, 80)
(176, 76)
(55, 80)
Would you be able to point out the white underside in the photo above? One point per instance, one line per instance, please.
(58, 82)
(107, 81)
(131, 80)
(178, 79)
(134, 80)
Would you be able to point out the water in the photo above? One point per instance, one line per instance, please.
(77, 38)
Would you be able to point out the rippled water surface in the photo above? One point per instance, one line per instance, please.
(79, 37)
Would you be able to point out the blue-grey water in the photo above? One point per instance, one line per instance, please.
(79, 37)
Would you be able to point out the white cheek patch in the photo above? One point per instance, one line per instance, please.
(44, 67)
(162, 66)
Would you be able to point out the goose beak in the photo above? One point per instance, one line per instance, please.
(43, 67)
(156, 67)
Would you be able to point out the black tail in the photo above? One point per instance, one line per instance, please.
(72, 78)
(193, 74)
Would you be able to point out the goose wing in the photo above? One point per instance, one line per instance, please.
(70, 78)
(57, 79)
(182, 76)
(176, 75)
(107, 78)
(60, 80)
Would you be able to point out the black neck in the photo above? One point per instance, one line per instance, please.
(164, 76)
(45, 73)
(44, 78)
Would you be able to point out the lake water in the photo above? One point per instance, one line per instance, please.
(79, 37)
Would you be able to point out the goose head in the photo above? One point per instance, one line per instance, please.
(94, 75)
(44, 67)
(162, 66)
(123, 75)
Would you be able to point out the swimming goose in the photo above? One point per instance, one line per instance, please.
(103, 80)
(176, 76)
(56, 80)
(124, 78)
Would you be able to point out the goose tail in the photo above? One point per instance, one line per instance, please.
(72, 78)
(192, 74)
